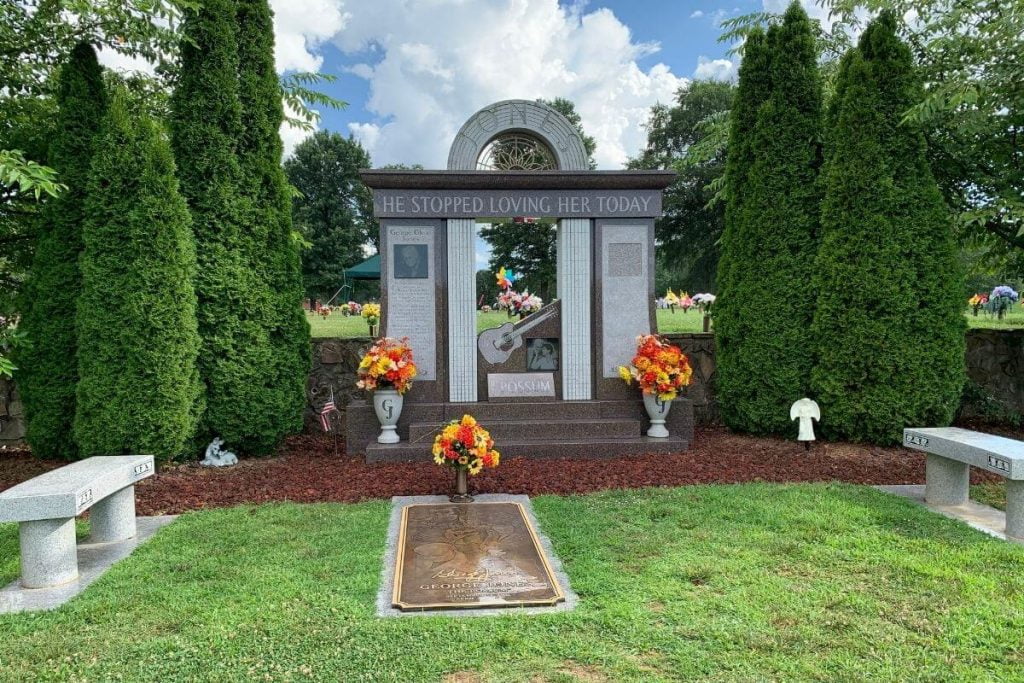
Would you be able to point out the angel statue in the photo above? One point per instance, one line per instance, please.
(805, 410)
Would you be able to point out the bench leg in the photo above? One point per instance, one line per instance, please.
(1015, 509)
(49, 556)
(947, 482)
(113, 518)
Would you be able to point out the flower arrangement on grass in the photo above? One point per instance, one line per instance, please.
(671, 300)
(977, 301)
(1002, 298)
(685, 302)
(465, 444)
(351, 308)
(660, 368)
(704, 302)
(371, 313)
(387, 365)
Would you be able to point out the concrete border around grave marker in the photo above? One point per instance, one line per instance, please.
(387, 575)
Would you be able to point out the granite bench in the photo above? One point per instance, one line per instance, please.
(45, 508)
(951, 453)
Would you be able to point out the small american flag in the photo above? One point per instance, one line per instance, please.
(325, 412)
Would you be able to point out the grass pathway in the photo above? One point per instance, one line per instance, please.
(742, 582)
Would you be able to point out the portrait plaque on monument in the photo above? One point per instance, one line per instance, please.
(411, 296)
(470, 556)
(542, 354)
(410, 262)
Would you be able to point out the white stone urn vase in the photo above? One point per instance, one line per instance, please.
(657, 410)
(387, 403)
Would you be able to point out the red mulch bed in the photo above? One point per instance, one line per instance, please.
(306, 471)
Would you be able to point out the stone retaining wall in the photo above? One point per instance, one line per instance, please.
(12, 426)
(995, 363)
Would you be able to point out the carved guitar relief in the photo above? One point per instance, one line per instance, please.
(497, 344)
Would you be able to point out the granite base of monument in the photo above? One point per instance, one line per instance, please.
(470, 559)
(532, 429)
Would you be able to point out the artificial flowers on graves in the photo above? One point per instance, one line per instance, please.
(467, 447)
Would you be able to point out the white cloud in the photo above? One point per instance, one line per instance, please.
(300, 28)
(715, 69)
(813, 9)
(366, 133)
(697, 14)
(440, 61)
(721, 14)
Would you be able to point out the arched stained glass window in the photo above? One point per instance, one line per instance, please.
(516, 152)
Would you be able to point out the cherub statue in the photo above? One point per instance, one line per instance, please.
(217, 457)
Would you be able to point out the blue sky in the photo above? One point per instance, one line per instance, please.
(414, 70)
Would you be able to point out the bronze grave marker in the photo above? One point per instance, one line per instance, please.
(469, 556)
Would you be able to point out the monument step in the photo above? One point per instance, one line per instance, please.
(538, 448)
(490, 411)
(542, 429)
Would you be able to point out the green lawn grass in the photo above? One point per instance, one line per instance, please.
(1014, 319)
(993, 494)
(337, 325)
(746, 582)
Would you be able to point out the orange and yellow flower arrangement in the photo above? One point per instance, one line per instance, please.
(658, 367)
(464, 444)
(387, 365)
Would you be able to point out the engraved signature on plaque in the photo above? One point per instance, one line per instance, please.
(470, 555)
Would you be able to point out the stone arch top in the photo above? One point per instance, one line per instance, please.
(523, 116)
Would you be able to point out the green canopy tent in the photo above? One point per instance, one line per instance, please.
(367, 270)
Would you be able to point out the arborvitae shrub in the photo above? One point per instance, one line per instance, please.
(765, 307)
(888, 325)
(48, 364)
(268, 233)
(137, 336)
(205, 128)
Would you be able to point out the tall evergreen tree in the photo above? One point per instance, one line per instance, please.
(889, 324)
(764, 316)
(267, 236)
(206, 126)
(49, 362)
(137, 339)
